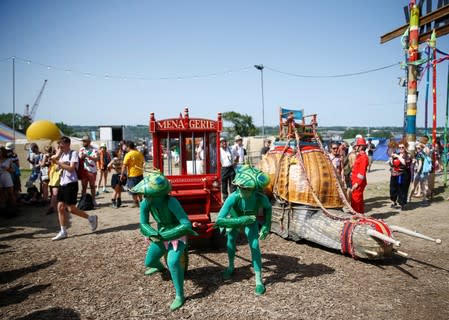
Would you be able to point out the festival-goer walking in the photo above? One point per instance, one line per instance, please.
(6, 184)
(228, 162)
(358, 176)
(370, 150)
(116, 183)
(400, 176)
(134, 164)
(421, 174)
(88, 157)
(68, 189)
(104, 158)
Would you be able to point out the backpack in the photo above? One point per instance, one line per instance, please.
(426, 165)
(80, 170)
(86, 202)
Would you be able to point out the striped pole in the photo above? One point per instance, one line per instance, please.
(445, 129)
(412, 76)
(433, 43)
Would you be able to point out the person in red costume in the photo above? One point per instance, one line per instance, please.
(359, 176)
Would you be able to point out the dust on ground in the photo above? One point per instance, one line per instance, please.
(100, 275)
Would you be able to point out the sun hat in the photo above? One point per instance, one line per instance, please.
(153, 185)
(222, 139)
(85, 138)
(103, 145)
(237, 138)
(9, 146)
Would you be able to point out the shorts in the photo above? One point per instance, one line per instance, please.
(132, 182)
(68, 193)
(6, 180)
(115, 180)
(90, 177)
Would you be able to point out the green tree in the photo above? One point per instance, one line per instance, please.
(21, 123)
(65, 129)
(352, 132)
(242, 124)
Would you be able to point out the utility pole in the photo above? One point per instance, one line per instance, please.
(260, 67)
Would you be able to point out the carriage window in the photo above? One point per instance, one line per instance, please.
(171, 153)
(195, 153)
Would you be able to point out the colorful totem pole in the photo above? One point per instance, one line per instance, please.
(412, 76)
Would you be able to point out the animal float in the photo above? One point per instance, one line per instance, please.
(310, 201)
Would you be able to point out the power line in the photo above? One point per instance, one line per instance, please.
(334, 75)
(127, 77)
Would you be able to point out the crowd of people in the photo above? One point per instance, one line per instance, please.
(47, 175)
(418, 171)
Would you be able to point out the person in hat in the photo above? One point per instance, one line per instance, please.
(228, 161)
(88, 157)
(239, 151)
(358, 175)
(170, 236)
(104, 158)
(240, 210)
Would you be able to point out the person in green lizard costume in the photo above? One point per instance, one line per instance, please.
(173, 228)
(240, 210)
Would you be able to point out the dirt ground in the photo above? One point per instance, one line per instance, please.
(100, 275)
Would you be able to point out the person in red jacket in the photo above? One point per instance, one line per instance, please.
(359, 176)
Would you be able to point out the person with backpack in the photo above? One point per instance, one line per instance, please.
(400, 177)
(423, 168)
(68, 161)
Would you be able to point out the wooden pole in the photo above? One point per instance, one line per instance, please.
(412, 76)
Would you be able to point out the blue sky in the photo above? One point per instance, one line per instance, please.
(183, 52)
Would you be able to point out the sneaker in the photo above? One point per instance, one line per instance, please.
(93, 220)
(61, 235)
(105, 190)
(97, 193)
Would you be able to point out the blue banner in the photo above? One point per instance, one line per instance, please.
(297, 114)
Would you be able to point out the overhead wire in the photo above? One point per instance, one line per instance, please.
(195, 76)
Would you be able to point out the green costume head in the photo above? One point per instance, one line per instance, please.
(249, 179)
(153, 185)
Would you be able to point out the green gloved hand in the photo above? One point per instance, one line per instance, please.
(264, 232)
(235, 222)
(149, 231)
(177, 232)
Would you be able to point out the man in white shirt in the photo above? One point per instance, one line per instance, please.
(239, 151)
(67, 160)
(228, 161)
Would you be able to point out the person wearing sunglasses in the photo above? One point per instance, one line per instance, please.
(400, 162)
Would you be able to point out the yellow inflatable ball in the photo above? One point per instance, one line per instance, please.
(43, 129)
